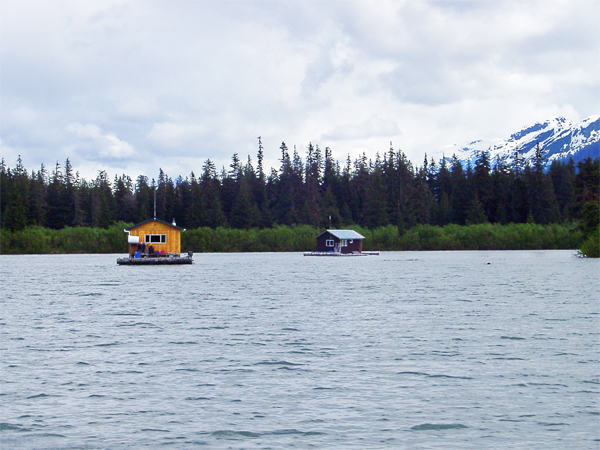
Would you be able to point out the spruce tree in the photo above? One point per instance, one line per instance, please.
(459, 198)
(542, 202)
(482, 184)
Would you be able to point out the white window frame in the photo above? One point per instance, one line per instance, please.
(344, 242)
(162, 239)
(329, 243)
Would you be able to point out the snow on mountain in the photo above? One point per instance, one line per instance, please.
(560, 139)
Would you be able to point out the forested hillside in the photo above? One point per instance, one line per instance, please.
(370, 193)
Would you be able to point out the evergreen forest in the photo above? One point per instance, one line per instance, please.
(314, 190)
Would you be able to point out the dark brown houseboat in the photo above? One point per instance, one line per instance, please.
(339, 243)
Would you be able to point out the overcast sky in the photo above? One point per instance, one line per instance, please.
(134, 86)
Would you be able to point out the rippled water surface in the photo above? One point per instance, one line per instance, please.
(430, 350)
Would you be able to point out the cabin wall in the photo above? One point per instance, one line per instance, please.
(173, 244)
(354, 246)
(321, 242)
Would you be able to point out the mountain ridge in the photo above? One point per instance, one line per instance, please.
(561, 139)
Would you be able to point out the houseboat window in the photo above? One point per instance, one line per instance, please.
(156, 238)
(329, 243)
(344, 242)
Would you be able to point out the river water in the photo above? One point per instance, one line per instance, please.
(405, 350)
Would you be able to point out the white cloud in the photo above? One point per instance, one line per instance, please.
(136, 108)
(87, 131)
(173, 135)
(374, 126)
(115, 148)
(105, 145)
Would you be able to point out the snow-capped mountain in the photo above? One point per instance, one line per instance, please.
(560, 139)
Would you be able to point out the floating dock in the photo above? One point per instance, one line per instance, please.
(340, 254)
(155, 260)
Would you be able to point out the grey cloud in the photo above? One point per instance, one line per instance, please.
(197, 80)
(374, 126)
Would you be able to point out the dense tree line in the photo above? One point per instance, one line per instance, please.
(523, 236)
(315, 190)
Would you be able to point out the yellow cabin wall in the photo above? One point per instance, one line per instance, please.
(173, 244)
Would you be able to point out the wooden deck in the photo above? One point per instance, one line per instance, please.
(340, 254)
(156, 260)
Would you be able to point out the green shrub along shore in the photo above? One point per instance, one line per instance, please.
(526, 236)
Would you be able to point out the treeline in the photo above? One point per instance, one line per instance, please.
(528, 236)
(40, 240)
(389, 238)
(388, 190)
(317, 191)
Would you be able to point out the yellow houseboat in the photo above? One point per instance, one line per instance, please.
(155, 241)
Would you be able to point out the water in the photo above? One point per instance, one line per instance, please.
(406, 350)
